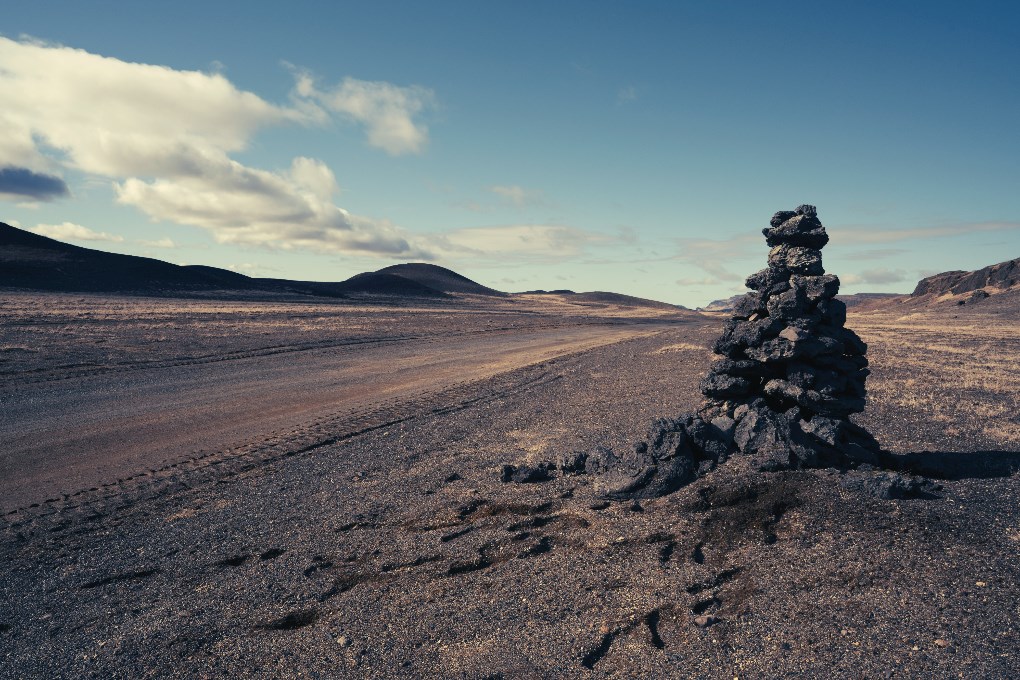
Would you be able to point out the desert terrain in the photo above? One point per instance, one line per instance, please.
(199, 488)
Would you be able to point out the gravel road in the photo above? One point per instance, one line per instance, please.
(80, 431)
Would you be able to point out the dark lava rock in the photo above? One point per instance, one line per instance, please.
(797, 259)
(527, 474)
(575, 463)
(789, 378)
(888, 485)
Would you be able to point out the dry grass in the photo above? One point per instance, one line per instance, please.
(681, 347)
(962, 378)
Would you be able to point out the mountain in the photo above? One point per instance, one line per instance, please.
(28, 260)
(33, 262)
(1002, 275)
(36, 262)
(725, 305)
(438, 278)
(382, 283)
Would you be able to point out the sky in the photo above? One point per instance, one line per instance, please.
(635, 147)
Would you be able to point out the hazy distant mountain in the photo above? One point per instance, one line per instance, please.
(724, 305)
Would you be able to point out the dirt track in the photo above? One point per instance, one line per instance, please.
(75, 432)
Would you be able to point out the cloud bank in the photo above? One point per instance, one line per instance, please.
(22, 183)
(165, 138)
(534, 242)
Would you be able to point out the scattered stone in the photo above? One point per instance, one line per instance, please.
(888, 485)
(941, 643)
(528, 474)
(574, 463)
(706, 620)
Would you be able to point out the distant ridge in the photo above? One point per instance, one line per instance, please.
(29, 261)
(604, 297)
(724, 305)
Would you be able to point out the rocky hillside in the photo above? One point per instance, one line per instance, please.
(1002, 275)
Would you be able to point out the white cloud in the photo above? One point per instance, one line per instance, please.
(388, 111)
(166, 137)
(284, 210)
(68, 231)
(519, 241)
(715, 257)
(164, 242)
(115, 118)
(517, 195)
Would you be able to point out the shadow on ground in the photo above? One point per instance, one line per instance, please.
(955, 465)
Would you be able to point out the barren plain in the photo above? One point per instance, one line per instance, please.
(198, 488)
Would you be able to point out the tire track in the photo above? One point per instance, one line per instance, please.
(206, 467)
(17, 380)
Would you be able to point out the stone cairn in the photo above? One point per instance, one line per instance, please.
(788, 378)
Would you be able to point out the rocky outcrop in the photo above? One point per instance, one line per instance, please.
(1002, 275)
(788, 377)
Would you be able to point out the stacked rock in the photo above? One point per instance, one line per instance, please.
(789, 376)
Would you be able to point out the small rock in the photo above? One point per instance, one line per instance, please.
(527, 474)
(942, 643)
(705, 620)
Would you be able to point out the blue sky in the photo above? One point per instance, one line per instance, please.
(634, 147)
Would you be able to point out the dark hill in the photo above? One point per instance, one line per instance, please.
(1002, 275)
(604, 297)
(438, 278)
(382, 283)
(36, 262)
